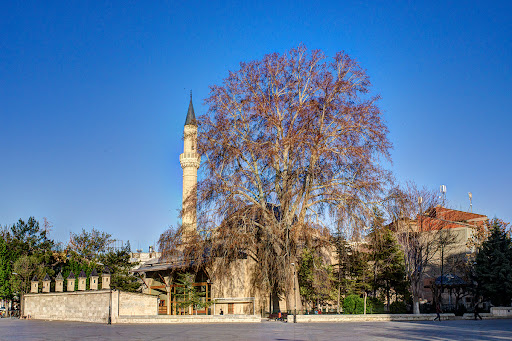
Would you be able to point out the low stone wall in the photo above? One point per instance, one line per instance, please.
(88, 306)
(367, 317)
(471, 316)
(501, 311)
(190, 319)
(135, 304)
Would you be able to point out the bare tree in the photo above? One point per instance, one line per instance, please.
(89, 244)
(419, 233)
(288, 141)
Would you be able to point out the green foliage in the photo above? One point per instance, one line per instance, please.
(27, 238)
(388, 264)
(493, 267)
(5, 269)
(398, 307)
(352, 271)
(26, 267)
(25, 249)
(353, 304)
(119, 264)
(189, 295)
(315, 278)
(374, 306)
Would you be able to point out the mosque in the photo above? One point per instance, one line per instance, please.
(233, 294)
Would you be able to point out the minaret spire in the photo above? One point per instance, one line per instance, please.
(190, 161)
(191, 116)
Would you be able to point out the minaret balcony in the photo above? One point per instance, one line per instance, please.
(190, 159)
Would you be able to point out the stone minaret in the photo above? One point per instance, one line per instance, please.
(190, 161)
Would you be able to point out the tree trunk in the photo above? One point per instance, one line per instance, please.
(275, 302)
(388, 298)
(339, 294)
(415, 305)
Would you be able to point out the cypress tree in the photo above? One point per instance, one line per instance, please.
(5, 269)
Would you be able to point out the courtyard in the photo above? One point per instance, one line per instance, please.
(14, 329)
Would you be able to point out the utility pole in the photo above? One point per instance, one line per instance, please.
(294, 296)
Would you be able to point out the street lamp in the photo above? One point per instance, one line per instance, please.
(294, 297)
(21, 296)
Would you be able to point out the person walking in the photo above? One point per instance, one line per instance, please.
(476, 310)
(438, 312)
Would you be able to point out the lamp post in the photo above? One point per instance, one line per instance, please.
(21, 305)
(294, 297)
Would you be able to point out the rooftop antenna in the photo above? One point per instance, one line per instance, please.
(470, 202)
(442, 189)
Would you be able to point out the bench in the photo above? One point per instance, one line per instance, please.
(275, 316)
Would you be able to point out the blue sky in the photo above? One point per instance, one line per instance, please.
(93, 97)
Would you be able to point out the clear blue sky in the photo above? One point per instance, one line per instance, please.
(93, 97)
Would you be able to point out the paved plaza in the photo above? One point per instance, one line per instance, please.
(13, 329)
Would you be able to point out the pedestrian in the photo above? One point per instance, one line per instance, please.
(438, 312)
(221, 312)
(476, 310)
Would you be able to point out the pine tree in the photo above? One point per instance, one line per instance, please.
(189, 295)
(315, 278)
(493, 267)
(387, 260)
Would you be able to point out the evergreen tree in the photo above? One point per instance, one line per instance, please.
(387, 259)
(5, 269)
(188, 295)
(493, 266)
(119, 264)
(352, 271)
(315, 278)
(25, 249)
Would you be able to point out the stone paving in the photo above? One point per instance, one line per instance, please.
(14, 329)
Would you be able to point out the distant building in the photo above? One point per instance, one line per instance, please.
(142, 258)
(449, 266)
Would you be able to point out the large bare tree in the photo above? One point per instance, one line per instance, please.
(288, 141)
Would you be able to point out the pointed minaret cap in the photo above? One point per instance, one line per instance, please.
(94, 273)
(59, 277)
(82, 274)
(191, 116)
(46, 278)
(106, 270)
(71, 275)
(34, 279)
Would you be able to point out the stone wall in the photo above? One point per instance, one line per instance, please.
(501, 311)
(85, 306)
(368, 317)
(88, 306)
(131, 304)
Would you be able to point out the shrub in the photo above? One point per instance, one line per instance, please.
(353, 304)
(374, 306)
(398, 307)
